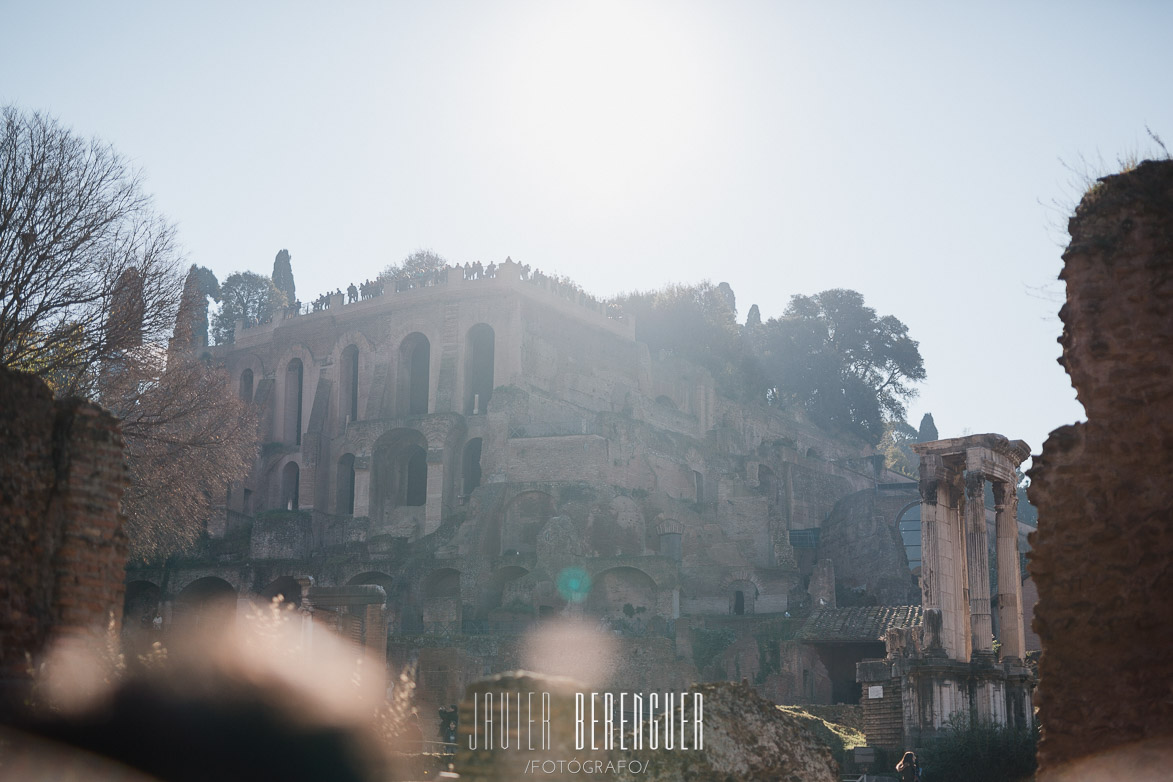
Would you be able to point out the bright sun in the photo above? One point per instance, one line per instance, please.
(608, 97)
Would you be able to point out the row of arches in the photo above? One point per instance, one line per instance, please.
(413, 381)
(616, 593)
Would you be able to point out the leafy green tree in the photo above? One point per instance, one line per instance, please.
(245, 296)
(928, 429)
(283, 276)
(894, 444)
(846, 366)
(417, 265)
(191, 322)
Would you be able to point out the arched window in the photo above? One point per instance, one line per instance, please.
(908, 523)
(348, 384)
(414, 366)
(416, 492)
(400, 471)
(345, 503)
(246, 385)
(293, 399)
(472, 465)
(478, 369)
(290, 475)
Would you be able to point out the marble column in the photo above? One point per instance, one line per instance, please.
(978, 561)
(1010, 622)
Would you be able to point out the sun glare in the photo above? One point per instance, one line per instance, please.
(607, 98)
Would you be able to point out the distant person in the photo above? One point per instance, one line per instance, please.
(908, 768)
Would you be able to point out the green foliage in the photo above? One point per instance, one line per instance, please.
(840, 738)
(283, 276)
(698, 322)
(847, 367)
(245, 296)
(928, 429)
(980, 753)
(419, 264)
(894, 444)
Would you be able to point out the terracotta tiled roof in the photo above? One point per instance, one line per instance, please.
(858, 624)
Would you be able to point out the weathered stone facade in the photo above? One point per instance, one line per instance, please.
(62, 547)
(1102, 554)
(493, 453)
(948, 667)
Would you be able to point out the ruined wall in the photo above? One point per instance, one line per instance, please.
(62, 548)
(1102, 553)
(870, 561)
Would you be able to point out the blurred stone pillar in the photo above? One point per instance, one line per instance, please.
(977, 559)
(1010, 627)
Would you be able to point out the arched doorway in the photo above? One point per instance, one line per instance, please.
(294, 376)
(208, 603)
(290, 481)
(478, 369)
(413, 378)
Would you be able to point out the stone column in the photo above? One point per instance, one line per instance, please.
(1010, 623)
(978, 561)
(935, 580)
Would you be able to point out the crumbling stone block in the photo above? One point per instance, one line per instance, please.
(1102, 553)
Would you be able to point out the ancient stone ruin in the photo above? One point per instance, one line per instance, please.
(62, 548)
(949, 668)
(1104, 545)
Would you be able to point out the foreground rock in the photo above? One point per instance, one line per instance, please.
(746, 738)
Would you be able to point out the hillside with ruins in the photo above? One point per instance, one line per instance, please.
(447, 464)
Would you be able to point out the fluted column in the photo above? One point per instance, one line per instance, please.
(978, 561)
(1010, 622)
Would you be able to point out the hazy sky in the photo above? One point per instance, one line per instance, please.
(916, 152)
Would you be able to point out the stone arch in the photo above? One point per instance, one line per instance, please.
(743, 590)
(344, 486)
(287, 587)
(663, 400)
(908, 525)
(246, 389)
(670, 534)
(478, 368)
(412, 377)
(290, 486)
(206, 603)
(399, 476)
(522, 519)
(373, 577)
(622, 593)
(140, 605)
(294, 398)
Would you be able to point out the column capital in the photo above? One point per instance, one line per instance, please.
(975, 484)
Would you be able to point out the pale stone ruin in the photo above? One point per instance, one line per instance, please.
(950, 669)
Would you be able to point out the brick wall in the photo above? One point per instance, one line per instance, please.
(62, 547)
(1101, 556)
(883, 717)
